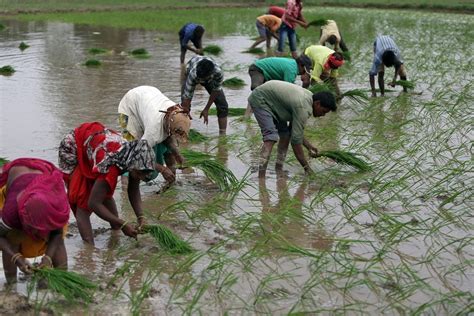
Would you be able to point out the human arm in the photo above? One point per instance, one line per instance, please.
(301, 21)
(97, 197)
(205, 112)
(54, 241)
(299, 154)
(342, 44)
(312, 151)
(188, 90)
(16, 258)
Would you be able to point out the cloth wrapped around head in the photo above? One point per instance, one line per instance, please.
(178, 123)
(334, 61)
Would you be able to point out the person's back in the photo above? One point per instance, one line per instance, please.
(278, 68)
(276, 11)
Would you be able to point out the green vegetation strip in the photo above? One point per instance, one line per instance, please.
(213, 169)
(346, 158)
(212, 50)
(232, 111)
(167, 239)
(92, 63)
(318, 22)
(97, 51)
(69, 284)
(255, 50)
(405, 84)
(196, 137)
(233, 82)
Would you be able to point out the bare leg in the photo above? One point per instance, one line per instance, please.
(264, 157)
(84, 225)
(60, 256)
(257, 42)
(248, 111)
(222, 121)
(282, 150)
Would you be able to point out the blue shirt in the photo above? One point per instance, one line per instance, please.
(382, 44)
(186, 33)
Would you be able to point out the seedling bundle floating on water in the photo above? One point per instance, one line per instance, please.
(255, 50)
(346, 158)
(213, 169)
(232, 111)
(212, 49)
(405, 84)
(23, 46)
(233, 82)
(167, 239)
(92, 63)
(196, 137)
(357, 95)
(140, 53)
(7, 70)
(97, 51)
(69, 284)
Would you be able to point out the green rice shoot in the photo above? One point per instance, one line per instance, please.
(346, 158)
(356, 95)
(23, 46)
(3, 161)
(97, 51)
(212, 50)
(232, 111)
(92, 63)
(139, 51)
(255, 50)
(321, 87)
(196, 137)
(69, 284)
(233, 82)
(7, 70)
(318, 22)
(347, 55)
(167, 239)
(2, 27)
(214, 170)
(406, 84)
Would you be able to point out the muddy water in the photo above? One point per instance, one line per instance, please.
(344, 220)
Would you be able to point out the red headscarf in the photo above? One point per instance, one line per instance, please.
(42, 205)
(333, 62)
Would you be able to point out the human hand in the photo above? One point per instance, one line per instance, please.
(129, 230)
(141, 223)
(205, 116)
(308, 171)
(168, 174)
(46, 262)
(179, 159)
(24, 265)
(313, 152)
(200, 51)
(392, 84)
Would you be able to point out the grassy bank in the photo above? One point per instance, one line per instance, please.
(32, 6)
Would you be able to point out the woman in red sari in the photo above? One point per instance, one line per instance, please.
(34, 211)
(91, 158)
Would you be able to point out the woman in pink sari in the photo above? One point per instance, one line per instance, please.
(34, 211)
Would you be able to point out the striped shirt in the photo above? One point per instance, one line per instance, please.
(214, 81)
(382, 44)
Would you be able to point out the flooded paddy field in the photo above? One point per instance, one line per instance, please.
(395, 240)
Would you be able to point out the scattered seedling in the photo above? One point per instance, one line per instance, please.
(92, 63)
(97, 51)
(232, 111)
(23, 46)
(7, 70)
(167, 239)
(255, 50)
(233, 82)
(213, 50)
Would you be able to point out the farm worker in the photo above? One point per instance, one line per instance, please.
(147, 114)
(276, 11)
(325, 65)
(330, 34)
(386, 54)
(277, 103)
(34, 212)
(206, 72)
(267, 26)
(91, 158)
(293, 16)
(190, 32)
(279, 68)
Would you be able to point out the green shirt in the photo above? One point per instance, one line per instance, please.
(287, 103)
(319, 55)
(278, 68)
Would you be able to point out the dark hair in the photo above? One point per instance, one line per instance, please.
(199, 31)
(389, 59)
(332, 39)
(326, 99)
(204, 68)
(305, 62)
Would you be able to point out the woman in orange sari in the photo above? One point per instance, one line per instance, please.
(34, 211)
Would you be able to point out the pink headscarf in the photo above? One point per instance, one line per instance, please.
(42, 205)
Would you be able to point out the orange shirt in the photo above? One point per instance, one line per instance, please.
(270, 21)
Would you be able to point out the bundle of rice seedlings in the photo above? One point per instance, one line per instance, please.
(255, 50)
(92, 63)
(7, 70)
(23, 46)
(139, 51)
(3, 161)
(405, 84)
(2, 26)
(232, 111)
(356, 95)
(167, 239)
(346, 55)
(69, 284)
(318, 22)
(233, 82)
(196, 137)
(212, 49)
(97, 51)
(215, 171)
(345, 157)
(321, 87)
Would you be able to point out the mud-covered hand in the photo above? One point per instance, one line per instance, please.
(313, 152)
(141, 223)
(168, 174)
(129, 230)
(392, 84)
(205, 116)
(46, 262)
(24, 265)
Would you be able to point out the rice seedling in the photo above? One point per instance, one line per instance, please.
(347, 158)
(92, 63)
(213, 50)
(406, 84)
(255, 50)
(97, 51)
(3, 161)
(69, 284)
(318, 22)
(232, 111)
(356, 95)
(321, 87)
(168, 240)
(233, 82)
(140, 53)
(213, 169)
(196, 137)
(7, 70)
(23, 46)
(2, 27)
(347, 55)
